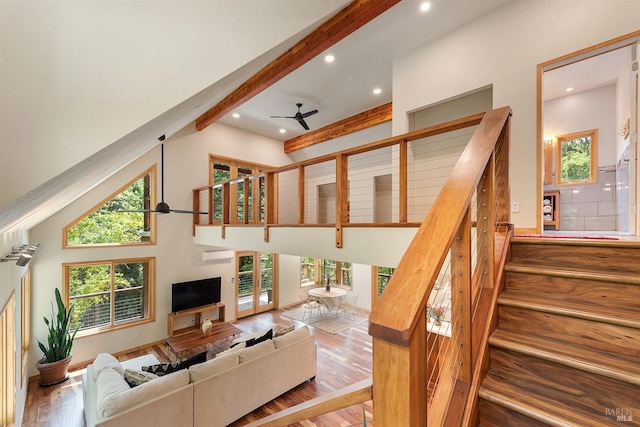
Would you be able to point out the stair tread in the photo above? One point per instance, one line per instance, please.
(613, 365)
(531, 267)
(576, 308)
(539, 405)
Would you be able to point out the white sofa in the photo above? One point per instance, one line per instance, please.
(214, 393)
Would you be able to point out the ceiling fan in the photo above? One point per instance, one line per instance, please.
(299, 116)
(162, 207)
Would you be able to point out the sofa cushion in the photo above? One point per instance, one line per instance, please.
(111, 402)
(104, 361)
(109, 384)
(135, 378)
(213, 366)
(291, 337)
(256, 351)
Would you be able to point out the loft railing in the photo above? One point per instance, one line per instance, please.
(343, 188)
(423, 373)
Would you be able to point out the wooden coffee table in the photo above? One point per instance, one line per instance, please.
(220, 331)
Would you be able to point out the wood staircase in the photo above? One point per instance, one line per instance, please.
(566, 351)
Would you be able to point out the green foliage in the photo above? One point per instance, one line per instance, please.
(576, 159)
(60, 336)
(110, 224)
(90, 285)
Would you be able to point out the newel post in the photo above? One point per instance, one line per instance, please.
(400, 380)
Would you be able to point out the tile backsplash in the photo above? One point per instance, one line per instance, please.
(595, 207)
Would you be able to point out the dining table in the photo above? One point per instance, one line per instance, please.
(330, 299)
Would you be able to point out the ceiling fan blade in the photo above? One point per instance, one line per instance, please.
(283, 117)
(303, 123)
(189, 212)
(309, 113)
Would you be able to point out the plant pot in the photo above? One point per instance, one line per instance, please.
(53, 372)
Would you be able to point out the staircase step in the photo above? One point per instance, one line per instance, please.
(555, 394)
(562, 304)
(620, 341)
(495, 415)
(588, 359)
(595, 255)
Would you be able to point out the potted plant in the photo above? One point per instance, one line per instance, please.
(54, 364)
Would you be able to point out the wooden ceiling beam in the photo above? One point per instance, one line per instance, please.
(360, 121)
(345, 22)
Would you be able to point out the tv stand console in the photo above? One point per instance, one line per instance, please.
(197, 313)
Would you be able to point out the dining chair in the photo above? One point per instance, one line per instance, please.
(345, 308)
(310, 307)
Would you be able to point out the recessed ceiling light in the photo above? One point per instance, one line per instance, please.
(283, 130)
(425, 6)
(377, 91)
(329, 58)
(236, 115)
(569, 89)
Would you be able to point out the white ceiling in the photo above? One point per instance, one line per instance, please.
(590, 73)
(363, 61)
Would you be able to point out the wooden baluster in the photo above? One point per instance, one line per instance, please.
(461, 296)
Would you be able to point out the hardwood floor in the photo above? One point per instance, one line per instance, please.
(343, 359)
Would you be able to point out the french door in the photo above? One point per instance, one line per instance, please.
(256, 283)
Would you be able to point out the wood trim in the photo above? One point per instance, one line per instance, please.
(403, 178)
(301, 194)
(357, 122)
(355, 15)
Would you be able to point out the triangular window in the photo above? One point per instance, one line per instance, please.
(120, 219)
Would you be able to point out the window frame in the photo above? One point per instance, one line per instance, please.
(593, 157)
(319, 267)
(149, 202)
(252, 204)
(148, 309)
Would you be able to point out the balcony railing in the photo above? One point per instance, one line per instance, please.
(423, 373)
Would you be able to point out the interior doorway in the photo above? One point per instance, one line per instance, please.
(579, 94)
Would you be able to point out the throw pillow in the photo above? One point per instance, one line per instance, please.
(233, 349)
(193, 360)
(135, 378)
(267, 336)
(283, 331)
(166, 368)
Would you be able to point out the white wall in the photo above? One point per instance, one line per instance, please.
(177, 257)
(503, 49)
(592, 109)
(76, 76)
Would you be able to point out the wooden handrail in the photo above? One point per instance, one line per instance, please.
(351, 395)
(396, 314)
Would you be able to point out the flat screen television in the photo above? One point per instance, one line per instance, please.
(196, 293)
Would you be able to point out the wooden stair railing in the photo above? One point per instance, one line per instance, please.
(398, 321)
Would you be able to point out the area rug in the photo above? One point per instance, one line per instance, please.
(332, 325)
